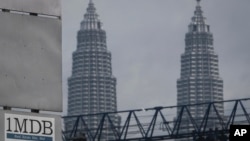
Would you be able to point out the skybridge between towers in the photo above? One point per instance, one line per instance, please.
(164, 123)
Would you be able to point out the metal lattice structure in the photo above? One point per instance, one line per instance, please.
(160, 123)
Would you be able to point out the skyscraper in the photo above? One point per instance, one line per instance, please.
(200, 81)
(92, 87)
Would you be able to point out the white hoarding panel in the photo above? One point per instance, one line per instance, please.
(30, 62)
(20, 126)
(47, 7)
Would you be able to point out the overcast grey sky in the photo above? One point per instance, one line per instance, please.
(146, 38)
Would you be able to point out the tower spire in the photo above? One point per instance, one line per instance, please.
(198, 14)
(91, 20)
(198, 23)
(198, 2)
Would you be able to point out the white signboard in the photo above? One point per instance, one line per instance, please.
(25, 126)
(28, 128)
(31, 62)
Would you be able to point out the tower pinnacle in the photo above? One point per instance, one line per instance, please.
(91, 20)
(198, 2)
(198, 18)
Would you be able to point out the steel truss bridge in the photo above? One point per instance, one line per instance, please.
(162, 123)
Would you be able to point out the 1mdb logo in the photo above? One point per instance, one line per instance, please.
(22, 127)
(239, 132)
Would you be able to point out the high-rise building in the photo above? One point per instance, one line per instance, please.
(92, 87)
(200, 81)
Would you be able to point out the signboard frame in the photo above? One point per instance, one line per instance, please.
(46, 7)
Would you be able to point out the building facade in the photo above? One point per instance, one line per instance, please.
(200, 81)
(92, 87)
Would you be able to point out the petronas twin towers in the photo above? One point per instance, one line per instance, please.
(92, 87)
(200, 81)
